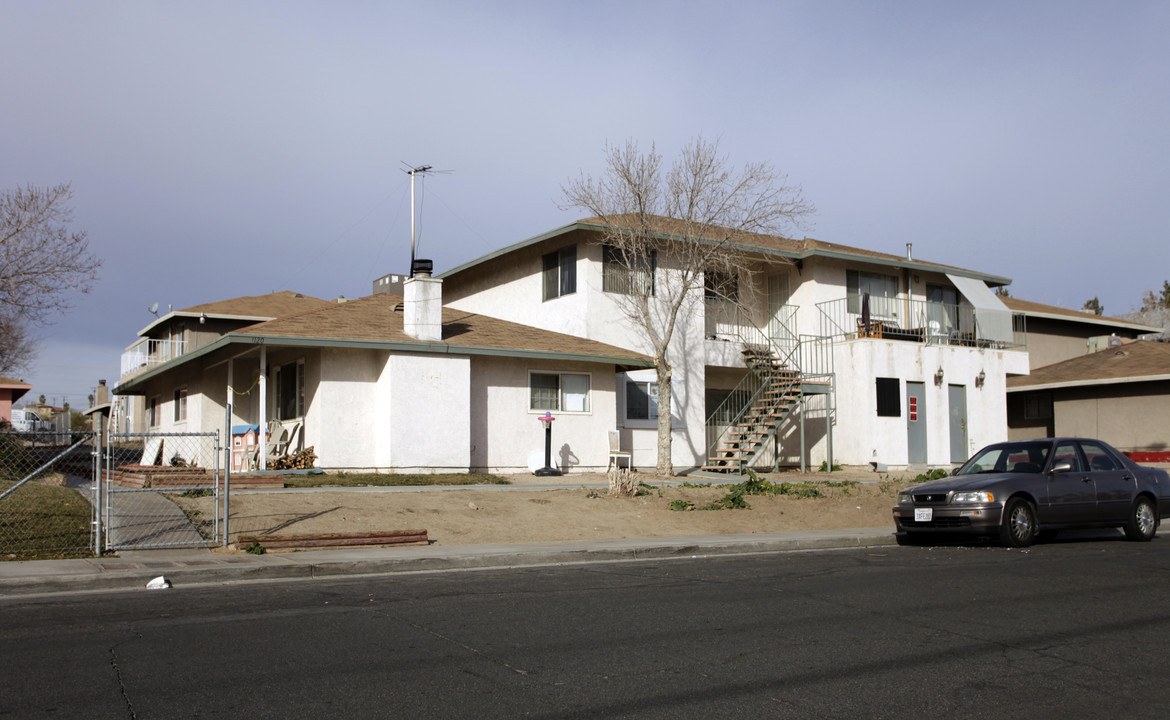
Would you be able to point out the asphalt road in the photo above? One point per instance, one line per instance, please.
(1069, 629)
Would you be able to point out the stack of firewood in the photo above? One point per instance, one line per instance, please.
(303, 460)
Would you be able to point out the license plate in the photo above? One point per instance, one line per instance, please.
(923, 514)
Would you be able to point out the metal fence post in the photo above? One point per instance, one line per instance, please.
(227, 476)
(98, 445)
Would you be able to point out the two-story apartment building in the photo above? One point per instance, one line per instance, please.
(887, 359)
(820, 352)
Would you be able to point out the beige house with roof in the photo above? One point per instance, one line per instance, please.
(825, 352)
(1120, 394)
(381, 383)
(1090, 376)
(1056, 333)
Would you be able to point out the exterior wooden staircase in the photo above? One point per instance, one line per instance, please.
(779, 392)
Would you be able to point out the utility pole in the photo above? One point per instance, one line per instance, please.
(412, 172)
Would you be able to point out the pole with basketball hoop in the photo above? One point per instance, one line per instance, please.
(548, 469)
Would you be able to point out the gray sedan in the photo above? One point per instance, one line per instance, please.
(1017, 491)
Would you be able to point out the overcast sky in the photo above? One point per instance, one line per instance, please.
(221, 149)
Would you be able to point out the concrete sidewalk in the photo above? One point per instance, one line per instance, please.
(186, 568)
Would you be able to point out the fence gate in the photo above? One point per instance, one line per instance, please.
(46, 491)
(162, 490)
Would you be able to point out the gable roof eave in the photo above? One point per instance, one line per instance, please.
(1087, 382)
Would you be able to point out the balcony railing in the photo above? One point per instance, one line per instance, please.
(924, 322)
(148, 353)
(729, 321)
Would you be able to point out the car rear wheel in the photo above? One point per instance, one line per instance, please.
(1019, 524)
(1143, 521)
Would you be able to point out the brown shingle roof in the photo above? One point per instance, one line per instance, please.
(272, 305)
(1135, 361)
(375, 318)
(785, 245)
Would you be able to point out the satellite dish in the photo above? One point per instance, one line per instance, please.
(154, 309)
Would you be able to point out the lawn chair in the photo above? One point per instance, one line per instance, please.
(616, 453)
(274, 441)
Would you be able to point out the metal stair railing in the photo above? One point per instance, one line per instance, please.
(763, 399)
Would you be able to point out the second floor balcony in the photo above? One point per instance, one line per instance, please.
(147, 353)
(922, 321)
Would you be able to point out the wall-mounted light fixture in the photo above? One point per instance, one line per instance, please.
(980, 379)
(202, 318)
(938, 376)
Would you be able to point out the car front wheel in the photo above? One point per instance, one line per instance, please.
(1143, 521)
(908, 539)
(1019, 524)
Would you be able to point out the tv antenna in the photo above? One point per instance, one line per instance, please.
(412, 171)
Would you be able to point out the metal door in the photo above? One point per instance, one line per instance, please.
(915, 422)
(957, 399)
(781, 315)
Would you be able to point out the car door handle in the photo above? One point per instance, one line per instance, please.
(1086, 479)
(1126, 478)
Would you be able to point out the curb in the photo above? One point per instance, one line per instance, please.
(201, 568)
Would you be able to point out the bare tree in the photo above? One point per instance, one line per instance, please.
(42, 265)
(692, 217)
(17, 348)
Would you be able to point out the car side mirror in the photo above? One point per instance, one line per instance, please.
(1061, 467)
(955, 471)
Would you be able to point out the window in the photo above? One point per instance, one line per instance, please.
(290, 390)
(559, 273)
(889, 397)
(563, 392)
(641, 400)
(1067, 453)
(152, 417)
(626, 273)
(882, 291)
(1100, 459)
(180, 404)
(719, 285)
(1038, 406)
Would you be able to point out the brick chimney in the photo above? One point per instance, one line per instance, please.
(422, 309)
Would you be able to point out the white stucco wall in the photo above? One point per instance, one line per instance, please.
(429, 411)
(342, 422)
(505, 432)
(861, 437)
(391, 412)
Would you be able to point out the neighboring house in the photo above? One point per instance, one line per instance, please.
(10, 391)
(884, 359)
(1056, 334)
(1120, 394)
(381, 383)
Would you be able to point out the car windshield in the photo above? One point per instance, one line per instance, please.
(1022, 457)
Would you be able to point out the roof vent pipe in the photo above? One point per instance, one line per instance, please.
(909, 252)
(421, 268)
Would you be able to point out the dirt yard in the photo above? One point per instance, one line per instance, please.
(516, 515)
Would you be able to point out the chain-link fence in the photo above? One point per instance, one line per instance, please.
(148, 483)
(47, 495)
